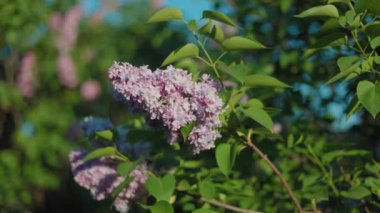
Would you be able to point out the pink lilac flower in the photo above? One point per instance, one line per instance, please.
(172, 97)
(90, 90)
(67, 71)
(25, 80)
(101, 178)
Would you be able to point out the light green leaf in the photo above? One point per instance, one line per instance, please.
(238, 72)
(356, 192)
(259, 80)
(161, 188)
(225, 157)
(369, 96)
(376, 59)
(375, 42)
(166, 14)
(207, 189)
(106, 134)
(260, 116)
(189, 50)
(346, 65)
(218, 16)
(185, 131)
(161, 207)
(125, 168)
(206, 28)
(217, 34)
(192, 26)
(325, 10)
(102, 152)
(254, 103)
(241, 43)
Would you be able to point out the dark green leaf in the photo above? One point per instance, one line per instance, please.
(189, 50)
(346, 65)
(260, 116)
(192, 26)
(331, 39)
(204, 211)
(101, 152)
(166, 14)
(218, 16)
(259, 80)
(369, 96)
(241, 43)
(206, 28)
(373, 6)
(375, 42)
(121, 186)
(325, 10)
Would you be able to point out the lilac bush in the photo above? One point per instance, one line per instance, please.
(172, 97)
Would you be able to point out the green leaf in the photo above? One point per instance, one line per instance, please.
(254, 103)
(339, 1)
(189, 50)
(235, 71)
(369, 96)
(204, 211)
(192, 26)
(356, 192)
(376, 59)
(166, 14)
(218, 16)
(259, 80)
(161, 207)
(161, 188)
(373, 6)
(206, 28)
(225, 158)
(339, 154)
(102, 152)
(217, 34)
(346, 65)
(332, 39)
(185, 131)
(106, 134)
(241, 43)
(125, 168)
(207, 189)
(325, 10)
(375, 42)
(260, 116)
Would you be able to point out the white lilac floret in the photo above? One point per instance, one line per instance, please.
(172, 97)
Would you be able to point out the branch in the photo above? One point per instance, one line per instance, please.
(277, 172)
(226, 206)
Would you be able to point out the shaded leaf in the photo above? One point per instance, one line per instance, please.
(224, 157)
(259, 80)
(369, 96)
(161, 188)
(207, 189)
(218, 16)
(101, 152)
(357, 193)
(161, 207)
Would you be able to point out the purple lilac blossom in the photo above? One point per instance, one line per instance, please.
(25, 80)
(172, 97)
(101, 178)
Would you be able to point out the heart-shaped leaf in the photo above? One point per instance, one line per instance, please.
(369, 96)
(161, 188)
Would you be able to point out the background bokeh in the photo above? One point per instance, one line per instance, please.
(54, 57)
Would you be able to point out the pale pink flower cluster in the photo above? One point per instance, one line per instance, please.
(25, 80)
(100, 176)
(90, 90)
(172, 97)
(66, 28)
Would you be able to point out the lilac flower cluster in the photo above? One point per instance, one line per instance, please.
(100, 176)
(25, 80)
(172, 97)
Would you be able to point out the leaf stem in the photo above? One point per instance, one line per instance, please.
(275, 170)
(227, 206)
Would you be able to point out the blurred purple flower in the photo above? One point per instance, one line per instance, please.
(67, 71)
(25, 80)
(90, 90)
(100, 176)
(172, 97)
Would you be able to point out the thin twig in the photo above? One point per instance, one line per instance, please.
(227, 206)
(276, 171)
